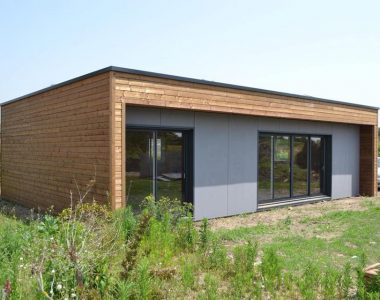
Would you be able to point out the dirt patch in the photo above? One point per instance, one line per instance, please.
(296, 213)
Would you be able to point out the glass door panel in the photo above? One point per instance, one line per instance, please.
(139, 166)
(265, 190)
(317, 165)
(300, 166)
(169, 164)
(281, 167)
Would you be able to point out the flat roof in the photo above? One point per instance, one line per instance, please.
(185, 79)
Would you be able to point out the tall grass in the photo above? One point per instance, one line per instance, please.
(87, 252)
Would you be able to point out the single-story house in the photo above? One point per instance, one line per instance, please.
(225, 148)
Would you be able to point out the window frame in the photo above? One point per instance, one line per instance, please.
(327, 165)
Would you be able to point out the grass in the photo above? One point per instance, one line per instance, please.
(90, 253)
(332, 239)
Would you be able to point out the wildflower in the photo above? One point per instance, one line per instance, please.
(21, 266)
(7, 287)
(59, 287)
(73, 295)
(53, 271)
(21, 259)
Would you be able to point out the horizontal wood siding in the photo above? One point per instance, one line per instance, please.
(150, 91)
(368, 160)
(54, 139)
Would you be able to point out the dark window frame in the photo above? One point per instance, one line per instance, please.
(327, 148)
(188, 157)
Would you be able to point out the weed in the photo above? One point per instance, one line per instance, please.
(133, 245)
(308, 283)
(288, 221)
(217, 255)
(210, 288)
(244, 257)
(329, 283)
(187, 275)
(187, 235)
(204, 234)
(271, 270)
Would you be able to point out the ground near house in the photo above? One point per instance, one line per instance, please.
(314, 251)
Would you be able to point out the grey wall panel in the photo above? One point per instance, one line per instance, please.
(225, 155)
(136, 115)
(177, 118)
(242, 162)
(147, 116)
(345, 163)
(211, 165)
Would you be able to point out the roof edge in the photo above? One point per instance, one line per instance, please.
(186, 79)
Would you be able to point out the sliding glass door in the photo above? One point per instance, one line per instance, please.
(281, 167)
(300, 165)
(291, 166)
(158, 163)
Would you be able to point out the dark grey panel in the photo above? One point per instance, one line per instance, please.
(139, 115)
(177, 118)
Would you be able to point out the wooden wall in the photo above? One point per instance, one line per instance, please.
(53, 139)
(368, 160)
(143, 90)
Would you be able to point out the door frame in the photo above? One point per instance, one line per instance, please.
(187, 152)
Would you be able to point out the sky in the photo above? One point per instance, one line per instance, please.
(328, 49)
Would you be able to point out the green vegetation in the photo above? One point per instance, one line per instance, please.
(87, 252)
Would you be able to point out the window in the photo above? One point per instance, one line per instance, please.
(158, 163)
(292, 166)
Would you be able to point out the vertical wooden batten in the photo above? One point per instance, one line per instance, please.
(112, 142)
(117, 149)
(123, 155)
(368, 160)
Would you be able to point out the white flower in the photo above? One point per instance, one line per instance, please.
(59, 286)
(21, 266)
(53, 271)
(21, 259)
(73, 295)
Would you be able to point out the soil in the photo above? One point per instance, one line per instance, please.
(295, 213)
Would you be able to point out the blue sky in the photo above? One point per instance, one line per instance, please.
(321, 48)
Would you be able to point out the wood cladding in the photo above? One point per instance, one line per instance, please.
(142, 90)
(54, 139)
(368, 160)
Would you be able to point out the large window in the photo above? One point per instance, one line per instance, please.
(158, 163)
(292, 166)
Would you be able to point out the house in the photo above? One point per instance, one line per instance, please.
(225, 148)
